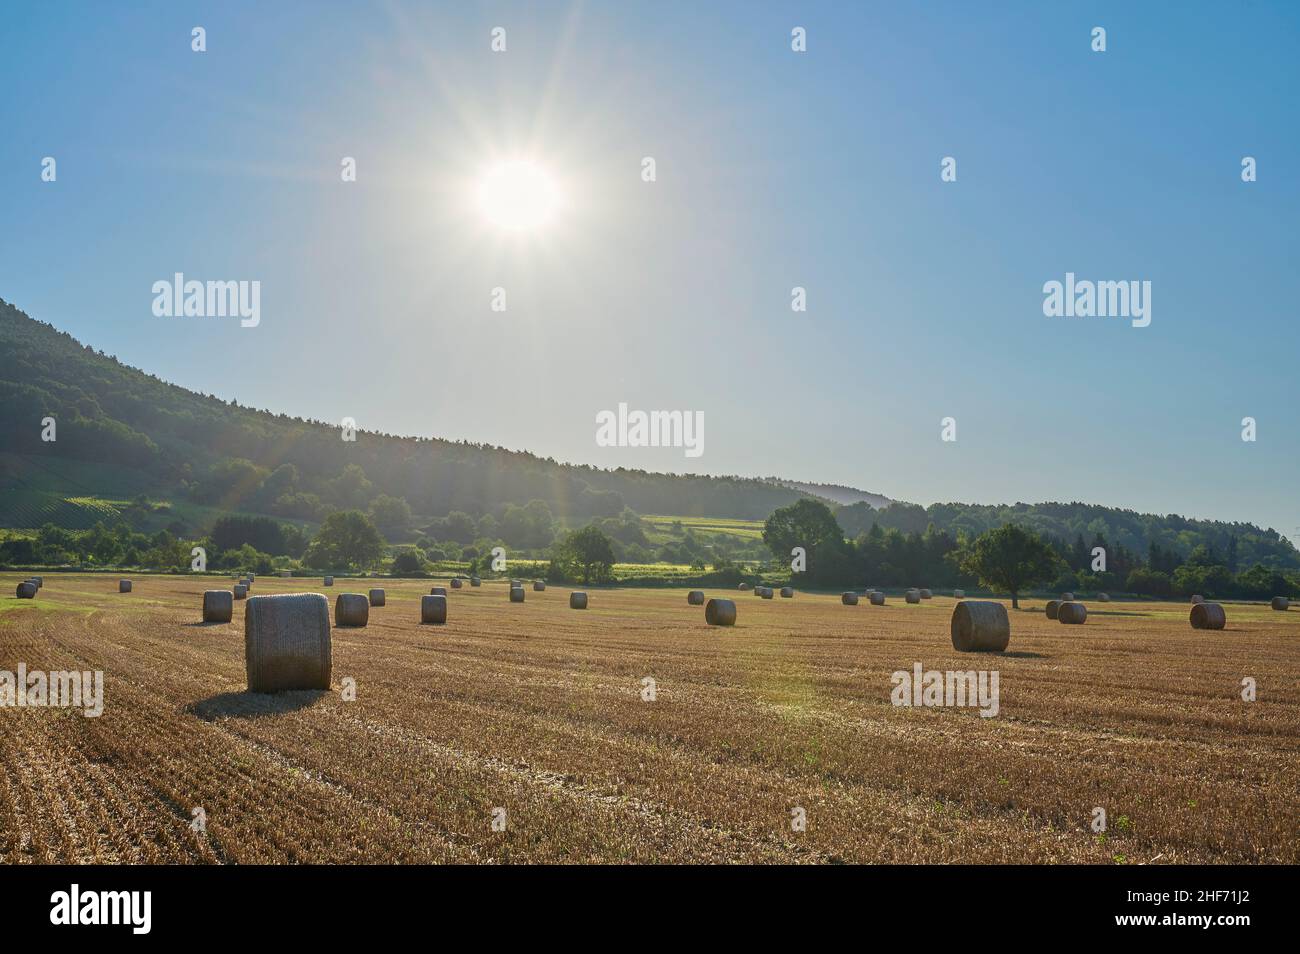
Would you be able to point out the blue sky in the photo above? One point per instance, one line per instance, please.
(775, 169)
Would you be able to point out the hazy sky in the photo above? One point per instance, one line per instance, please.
(774, 169)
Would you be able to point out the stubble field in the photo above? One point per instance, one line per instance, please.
(538, 710)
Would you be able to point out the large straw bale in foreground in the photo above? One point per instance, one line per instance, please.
(287, 642)
(980, 626)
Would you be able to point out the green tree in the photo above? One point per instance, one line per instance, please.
(352, 488)
(390, 514)
(1009, 558)
(587, 551)
(408, 561)
(809, 524)
(347, 538)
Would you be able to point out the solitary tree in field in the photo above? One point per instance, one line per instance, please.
(590, 551)
(811, 525)
(1010, 558)
(346, 538)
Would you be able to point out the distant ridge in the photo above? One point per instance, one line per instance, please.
(836, 493)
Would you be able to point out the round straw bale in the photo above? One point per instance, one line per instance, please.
(1072, 613)
(218, 606)
(767, 593)
(1103, 597)
(959, 594)
(329, 581)
(913, 596)
(516, 594)
(438, 591)
(1208, 616)
(926, 595)
(433, 608)
(377, 597)
(1067, 597)
(849, 598)
(475, 581)
(456, 583)
(695, 597)
(39, 581)
(240, 591)
(1198, 598)
(1052, 607)
(720, 612)
(244, 581)
(351, 609)
(539, 586)
(26, 590)
(787, 592)
(980, 626)
(287, 642)
(124, 586)
(877, 598)
(1280, 603)
(577, 600)
(743, 586)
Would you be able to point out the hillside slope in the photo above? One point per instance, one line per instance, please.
(165, 440)
(129, 442)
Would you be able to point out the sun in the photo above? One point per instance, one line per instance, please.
(518, 195)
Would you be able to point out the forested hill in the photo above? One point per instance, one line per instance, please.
(219, 452)
(123, 432)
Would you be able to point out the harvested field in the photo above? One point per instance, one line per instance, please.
(539, 710)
